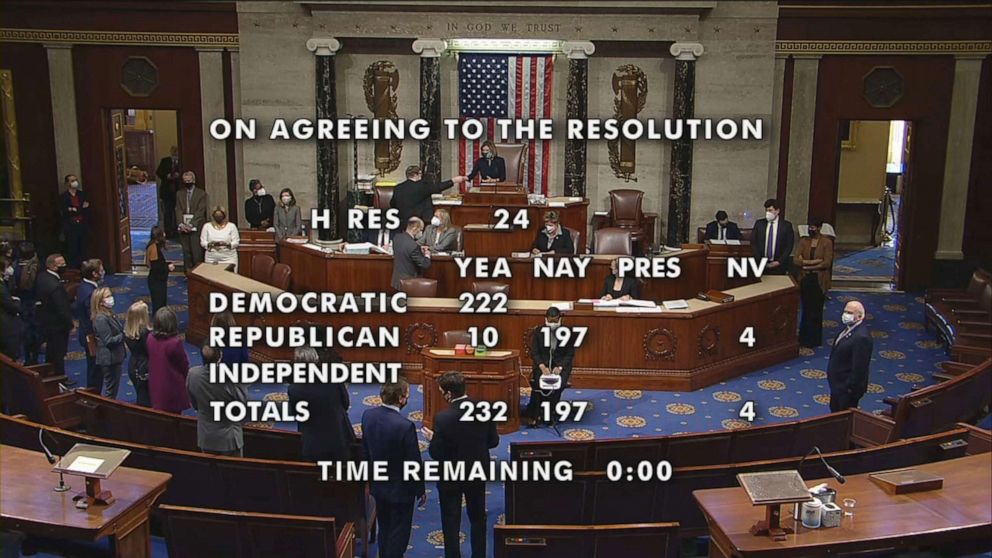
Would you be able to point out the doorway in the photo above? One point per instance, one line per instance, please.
(873, 174)
(151, 137)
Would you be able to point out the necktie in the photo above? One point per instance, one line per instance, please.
(770, 242)
(723, 233)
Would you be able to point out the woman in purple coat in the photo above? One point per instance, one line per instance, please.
(167, 364)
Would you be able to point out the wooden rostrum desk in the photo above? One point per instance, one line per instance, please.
(681, 350)
(491, 377)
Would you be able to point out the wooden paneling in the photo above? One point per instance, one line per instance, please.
(977, 233)
(487, 378)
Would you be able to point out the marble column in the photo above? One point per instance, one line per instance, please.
(328, 194)
(239, 146)
(430, 51)
(957, 165)
(799, 174)
(680, 186)
(577, 104)
(214, 179)
(63, 90)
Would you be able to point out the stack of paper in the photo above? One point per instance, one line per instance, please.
(679, 304)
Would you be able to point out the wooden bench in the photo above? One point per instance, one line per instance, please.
(590, 498)
(33, 391)
(963, 318)
(963, 398)
(639, 540)
(229, 483)
(832, 432)
(110, 418)
(208, 533)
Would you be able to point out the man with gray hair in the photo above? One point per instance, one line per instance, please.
(850, 359)
(219, 437)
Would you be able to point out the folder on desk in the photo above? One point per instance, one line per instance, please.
(714, 295)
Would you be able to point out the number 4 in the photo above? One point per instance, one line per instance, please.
(747, 336)
(747, 411)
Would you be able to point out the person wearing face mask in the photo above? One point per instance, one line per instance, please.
(553, 238)
(409, 258)
(74, 209)
(260, 207)
(110, 348)
(413, 198)
(850, 359)
(468, 442)
(440, 236)
(551, 354)
(722, 228)
(25, 278)
(220, 239)
(92, 272)
(815, 260)
(12, 327)
(491, 167)
(191, 215)
(287, 219)
(169, 183)
(620, 288)
(53, 311)
(390, 437)
(773, 238)
(158, 268)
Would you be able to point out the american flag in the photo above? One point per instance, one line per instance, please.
(495, 86)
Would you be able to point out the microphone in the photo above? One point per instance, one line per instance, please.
(833, 472)
(48, 453)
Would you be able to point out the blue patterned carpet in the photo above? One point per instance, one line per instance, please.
(904, 355)
(877, 262)
(143, 206)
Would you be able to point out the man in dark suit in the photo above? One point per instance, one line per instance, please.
(92, 272)
(773, 238)
(413, 198)
(850, 359)
(550, 355)
(409, 258)
(219, 437)
(390, 437)
(722, 228)
(327, 435)
(12, 326)
(191, 215)
(54, 314)
(468, 442)
(168, 182)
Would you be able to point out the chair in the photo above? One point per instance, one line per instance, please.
(491, 287)
(459, 240)
(282, 276)
(514, 155)
(419, 286)
(626, 213)
(455, 337)
(614, 241)
(261, 268)
(576, 240)
(381, 196)
(701, 235)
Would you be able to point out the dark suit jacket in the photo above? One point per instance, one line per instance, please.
(109, 333)
(84, 293)
(541, 353)
(197, 207)
(259, 209)
(328, 434)
(455, 440)
(65, 202)
(11, 323)
(167, 186)
(389, 436)
(849, 362)
(631, 286)
(408, 260)
(54, 315)
(413, 199)
(489, 168)
(783, 244)
(562, 244)
(713, 230)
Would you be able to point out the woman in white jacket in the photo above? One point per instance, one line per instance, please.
(220, 239)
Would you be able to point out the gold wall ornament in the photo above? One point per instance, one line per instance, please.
(882, 47)
(141, 38)
(15, 186)
(630, 93)
(381, 81)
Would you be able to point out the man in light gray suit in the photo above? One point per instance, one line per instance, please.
(409, 258)
(191, 215)
(219, 437)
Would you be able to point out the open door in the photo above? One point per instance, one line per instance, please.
(118, 166)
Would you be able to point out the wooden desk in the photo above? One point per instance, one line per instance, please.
(716, 264)
(681, 350)
(28, 503)
(573, 215)
(959, 511)
(254, 243)
(341, 273)
(493, 377)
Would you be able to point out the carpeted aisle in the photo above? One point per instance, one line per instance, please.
(904, 355)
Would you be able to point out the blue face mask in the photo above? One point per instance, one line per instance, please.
(489, 155)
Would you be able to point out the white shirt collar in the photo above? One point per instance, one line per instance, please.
(459, 398)
(91, 283)
(59, 277)
(393, 407)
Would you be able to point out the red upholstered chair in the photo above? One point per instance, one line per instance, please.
(514, 155)
(282, 276)
(626, 213)
(381, 196)
(419, 286)
(261, 268)
(576, 240)
(455, 337)
(614, 241)
(491, 287)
